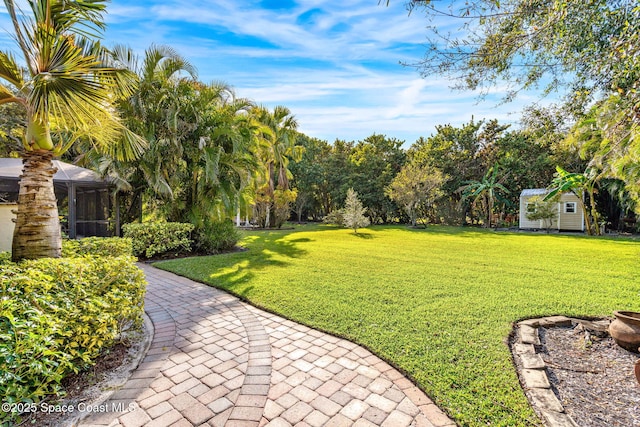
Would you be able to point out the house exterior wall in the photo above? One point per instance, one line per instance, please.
(565, 219)
(6, 226)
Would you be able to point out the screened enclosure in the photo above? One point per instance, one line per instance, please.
(86, 203)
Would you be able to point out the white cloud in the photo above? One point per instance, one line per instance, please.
(337, 70)
(367, 28)
(353, 106)
(408, 99)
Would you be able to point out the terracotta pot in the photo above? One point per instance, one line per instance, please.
(638, 371)
(625, 330)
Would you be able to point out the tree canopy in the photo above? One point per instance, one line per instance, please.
(588, 52)
(580, 48)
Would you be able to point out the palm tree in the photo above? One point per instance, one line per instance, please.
(218, 157)
(200, 136)
(67, 90)
(155, 111)
(580, 184)
(278, 136)
(485, 191)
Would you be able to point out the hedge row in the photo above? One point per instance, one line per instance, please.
(56, 316)
(152, 238)
(156, 238)
(98, 246)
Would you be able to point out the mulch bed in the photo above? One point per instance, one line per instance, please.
(114, 357)
(112, 367)
(592, 376)
(78, 386)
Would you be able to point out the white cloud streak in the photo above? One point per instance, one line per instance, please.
(335, 64)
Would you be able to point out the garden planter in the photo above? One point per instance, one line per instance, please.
(625, 330)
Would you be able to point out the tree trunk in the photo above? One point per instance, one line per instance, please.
(267, 220)
(594, 212)
(587, 220)
(37, 231)
(413, 213)
(271, 219)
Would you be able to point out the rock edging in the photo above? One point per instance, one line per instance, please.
(115, 379)
(533, 375)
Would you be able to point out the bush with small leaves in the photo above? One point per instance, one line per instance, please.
(334, 217)
(56, 316)
(215, 236)
(154, 238)
(99, 246)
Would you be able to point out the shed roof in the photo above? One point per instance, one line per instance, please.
(534, 192)
(12, 169)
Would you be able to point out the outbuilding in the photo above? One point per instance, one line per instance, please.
(85, 201)
(569, 215)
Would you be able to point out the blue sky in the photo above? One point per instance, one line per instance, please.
(335, 64)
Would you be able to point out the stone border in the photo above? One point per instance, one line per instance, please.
(533, 375)
(117, 379)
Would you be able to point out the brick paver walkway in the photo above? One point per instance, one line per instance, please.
(216, 361)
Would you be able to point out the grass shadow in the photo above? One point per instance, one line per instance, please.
(363, 235)
(231, 271)
(301, 240)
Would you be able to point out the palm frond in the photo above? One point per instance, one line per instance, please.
(81, 17)
(6, 95)
(124, 57)
(10, 71)
(21, 29)
(163, 62)
(68, 82)
(212, 164)
(155, 179)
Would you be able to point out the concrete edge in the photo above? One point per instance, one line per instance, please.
(119, 377)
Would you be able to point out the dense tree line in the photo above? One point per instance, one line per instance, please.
(587, 51)
(472, 173)
(326, 171)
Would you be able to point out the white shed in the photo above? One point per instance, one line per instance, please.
(569, 213)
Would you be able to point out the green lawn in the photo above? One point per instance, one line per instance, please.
(437, 303)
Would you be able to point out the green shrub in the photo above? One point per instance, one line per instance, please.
(351, 216)
(213, 237)
(353, 212)
(56, 315)
(334, 217)
(99, 246)
(152, 238)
